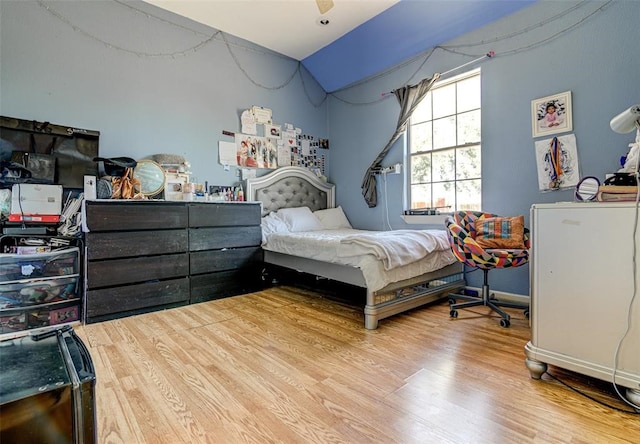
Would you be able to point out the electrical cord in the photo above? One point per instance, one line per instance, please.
(23, 225)
(592, 398)
(635, 287)
(386, 200)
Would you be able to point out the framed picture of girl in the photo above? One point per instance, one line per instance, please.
(552, 114)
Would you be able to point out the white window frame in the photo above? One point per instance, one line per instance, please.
(408, 155)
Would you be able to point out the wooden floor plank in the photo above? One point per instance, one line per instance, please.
(287, 365)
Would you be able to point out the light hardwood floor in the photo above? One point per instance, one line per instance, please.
(286, 366)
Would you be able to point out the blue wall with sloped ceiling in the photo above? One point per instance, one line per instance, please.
(588, 48)
(152, 82)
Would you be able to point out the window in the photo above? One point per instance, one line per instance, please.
(444, 147)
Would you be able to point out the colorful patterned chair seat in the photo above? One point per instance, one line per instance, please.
(461, 228)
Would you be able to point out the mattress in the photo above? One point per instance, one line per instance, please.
(323, 245)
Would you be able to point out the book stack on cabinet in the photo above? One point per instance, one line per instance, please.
(617, 193)
(148, 255)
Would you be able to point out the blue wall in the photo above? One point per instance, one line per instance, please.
(91, 77)
(121, 72)
(598, 61)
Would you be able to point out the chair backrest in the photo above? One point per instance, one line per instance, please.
(467, 220)
(462, 232)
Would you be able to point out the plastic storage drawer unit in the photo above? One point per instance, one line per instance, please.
(39, 290)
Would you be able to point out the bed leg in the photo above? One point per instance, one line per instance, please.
(370, 322)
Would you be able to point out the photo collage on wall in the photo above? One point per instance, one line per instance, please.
(263, 144)
(306, 153)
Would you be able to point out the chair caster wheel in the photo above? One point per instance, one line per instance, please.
(453, 313)
(526, 313)
(504, 323)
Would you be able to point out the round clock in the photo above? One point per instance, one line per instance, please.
(151, 176)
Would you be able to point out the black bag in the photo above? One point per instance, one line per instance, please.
(41, 166)
(12, 172)
(623, 179)
(115, 166)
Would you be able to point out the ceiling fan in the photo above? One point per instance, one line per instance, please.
(324, 5)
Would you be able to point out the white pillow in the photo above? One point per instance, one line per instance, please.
(333, 218)
(300, 219)
(271, 223)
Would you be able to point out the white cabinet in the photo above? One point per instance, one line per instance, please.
(582, 291)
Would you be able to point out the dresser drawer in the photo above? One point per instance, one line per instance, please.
(106, 245)
(38, 291)
(206, 287)
(224, 214)
(15, 267)
(112, 302)
(132, 270)
(224, 237)
(45, 315)
(220, 260)
(127, 216)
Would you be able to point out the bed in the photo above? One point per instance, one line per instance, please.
(389, 291)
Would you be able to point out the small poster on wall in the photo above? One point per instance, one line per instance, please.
(256, 152)
(557, 162)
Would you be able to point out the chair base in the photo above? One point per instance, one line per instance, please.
(486, 300)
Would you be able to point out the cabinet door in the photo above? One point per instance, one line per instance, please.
(582, 282)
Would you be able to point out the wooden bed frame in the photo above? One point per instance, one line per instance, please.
(289, 187)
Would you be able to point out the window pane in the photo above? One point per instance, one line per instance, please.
(421, 139)
(423, 112)
(445, 100)
(444, 196)
(421, 196)
(468, 162)
(469, 195)
(469, 94)
(421, 168)
(444, 147)
(469, 127)
(444, 132)
(444, 165)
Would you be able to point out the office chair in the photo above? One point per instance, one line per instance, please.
(487, 241)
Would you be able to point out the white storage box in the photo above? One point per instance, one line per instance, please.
(35, 202)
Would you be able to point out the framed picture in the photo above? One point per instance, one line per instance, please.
(552, 114)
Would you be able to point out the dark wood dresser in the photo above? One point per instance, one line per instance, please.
(143, 256)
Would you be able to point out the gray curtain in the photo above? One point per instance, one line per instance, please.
(409, 98)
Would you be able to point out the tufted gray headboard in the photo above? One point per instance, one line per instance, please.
(288, 187)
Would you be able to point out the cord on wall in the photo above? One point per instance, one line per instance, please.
(386, 202)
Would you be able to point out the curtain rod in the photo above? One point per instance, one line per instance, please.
(489, 55)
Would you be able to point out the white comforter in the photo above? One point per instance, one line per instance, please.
(394, 248)
(324, 246)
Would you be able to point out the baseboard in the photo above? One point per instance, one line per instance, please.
(503, 295)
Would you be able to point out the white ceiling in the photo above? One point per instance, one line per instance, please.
(289, 27)
(363, 38)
